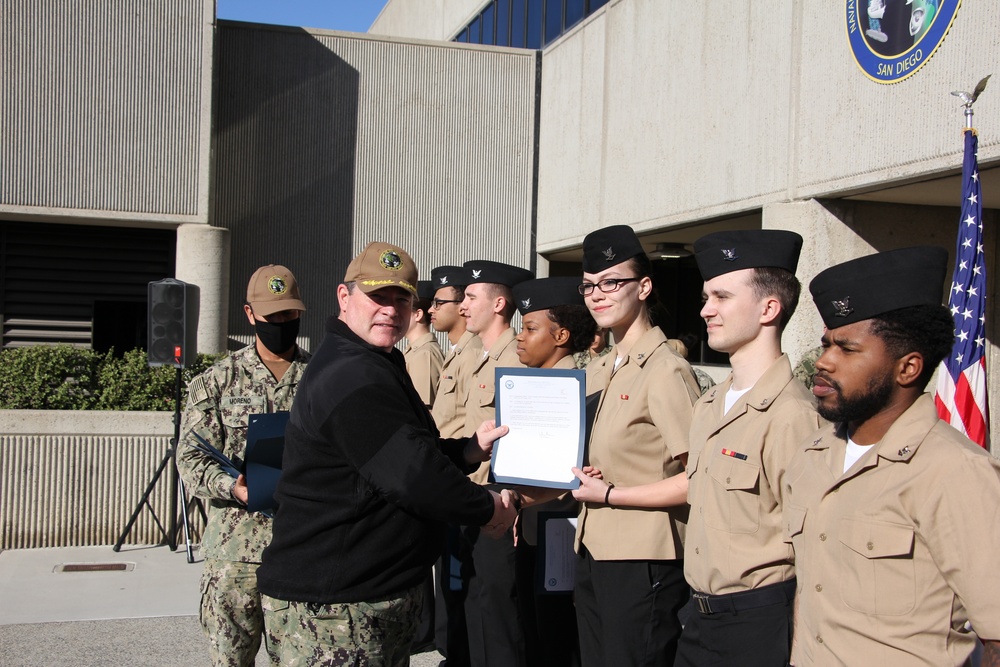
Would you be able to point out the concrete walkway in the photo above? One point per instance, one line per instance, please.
(90, 607)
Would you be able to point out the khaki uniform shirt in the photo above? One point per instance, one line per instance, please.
(481, 405)
(424, 360)
(564, 503)
(895, 555)
(641, 428)
(220, 402)
(453, 386)
(735, 535)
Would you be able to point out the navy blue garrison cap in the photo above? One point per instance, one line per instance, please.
(869, 286)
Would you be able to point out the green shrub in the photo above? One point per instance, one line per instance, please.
(49, 378)
(62, 377)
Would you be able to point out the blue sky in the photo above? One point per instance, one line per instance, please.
(350, 15)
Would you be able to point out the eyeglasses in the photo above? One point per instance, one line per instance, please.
(437, 303)
(606, 285)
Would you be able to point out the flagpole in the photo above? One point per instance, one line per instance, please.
(961, 396)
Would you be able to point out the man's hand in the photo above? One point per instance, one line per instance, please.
(504, 513)
(480, 446)
(239, 490)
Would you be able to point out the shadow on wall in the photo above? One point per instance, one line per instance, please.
(286, 121)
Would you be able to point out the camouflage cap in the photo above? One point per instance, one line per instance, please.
(382, 265)
(273, 288)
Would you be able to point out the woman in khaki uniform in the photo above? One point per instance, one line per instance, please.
(630, 574)
(556, 325)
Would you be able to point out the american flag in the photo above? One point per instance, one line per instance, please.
(961, 388)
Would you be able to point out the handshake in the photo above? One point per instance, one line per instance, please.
(506, 505)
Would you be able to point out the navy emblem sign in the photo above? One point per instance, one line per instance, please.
(892, 39)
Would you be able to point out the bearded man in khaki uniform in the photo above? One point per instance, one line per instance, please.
(743, 435)
(892, 512)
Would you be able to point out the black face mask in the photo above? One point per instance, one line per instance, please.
(278, 337)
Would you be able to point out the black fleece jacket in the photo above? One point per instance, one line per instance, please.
(367, 483)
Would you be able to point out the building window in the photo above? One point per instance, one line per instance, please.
(503, 23)
(528, 24)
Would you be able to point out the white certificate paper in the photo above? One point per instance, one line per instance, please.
(544, 409)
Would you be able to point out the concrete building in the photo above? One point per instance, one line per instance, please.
(144, 141)
(682, 118)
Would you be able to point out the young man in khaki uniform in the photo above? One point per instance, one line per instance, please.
(892, 512)
(466, 347)
(743, 435)
(491, 611)
(423, 355)
(262, 377)
(449, 283)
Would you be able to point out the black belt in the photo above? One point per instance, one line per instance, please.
(752, 599)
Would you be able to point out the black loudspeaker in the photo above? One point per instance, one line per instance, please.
(173, 323)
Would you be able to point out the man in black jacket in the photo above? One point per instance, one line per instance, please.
(367, 484)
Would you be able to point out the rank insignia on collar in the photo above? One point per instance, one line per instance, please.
(729, 254)
(526, 303)
(843, 306)
(476, 273)
(609, 254)
(904, 451)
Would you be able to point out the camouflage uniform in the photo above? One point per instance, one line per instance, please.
(360, 634)
(581, 359)
(705, 381)
(806, 368)
(220, 401)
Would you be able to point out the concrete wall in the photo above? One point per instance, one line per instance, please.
(657, 114)
(326, 141)
(106, 110)
(428, 19)
(73, 478)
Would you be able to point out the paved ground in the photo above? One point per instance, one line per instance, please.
(145, 614)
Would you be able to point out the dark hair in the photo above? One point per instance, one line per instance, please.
(424, 305)
(768, 281)
(927, 330)
(579, 322)
(643, 268)
(457, 292)
(494, 290)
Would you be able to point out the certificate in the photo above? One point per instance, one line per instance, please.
(544, 410)
(555, 568)
(265, 447)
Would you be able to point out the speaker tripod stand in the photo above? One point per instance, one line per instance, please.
(176, 489)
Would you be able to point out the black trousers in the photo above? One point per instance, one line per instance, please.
(491, 609)
(627, 611)
(759, 637)
(549, 620)
(454, 571)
